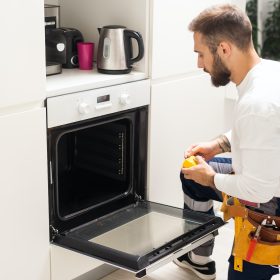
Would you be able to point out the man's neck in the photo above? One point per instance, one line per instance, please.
(242, 64)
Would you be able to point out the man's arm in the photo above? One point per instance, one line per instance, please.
(223, 143)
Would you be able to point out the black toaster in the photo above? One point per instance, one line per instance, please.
(72, 37)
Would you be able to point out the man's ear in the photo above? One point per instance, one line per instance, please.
(224, 49)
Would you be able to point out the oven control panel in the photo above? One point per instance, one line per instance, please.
(89, 104)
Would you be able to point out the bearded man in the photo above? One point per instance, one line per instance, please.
(223, 41)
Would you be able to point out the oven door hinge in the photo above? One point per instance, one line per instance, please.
(138, 197)
(51, 172)
(53, 232)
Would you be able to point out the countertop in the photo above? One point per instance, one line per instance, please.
(76, 80)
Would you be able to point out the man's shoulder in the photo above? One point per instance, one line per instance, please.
(271, 64)
(267, 76)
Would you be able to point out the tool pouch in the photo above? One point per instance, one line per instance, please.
(267, 248)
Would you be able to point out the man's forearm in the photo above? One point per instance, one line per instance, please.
(223, 143)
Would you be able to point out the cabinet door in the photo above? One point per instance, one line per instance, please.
(76, 263)
(183, 111)
(171, 42)
(24, 197)
(22, 53)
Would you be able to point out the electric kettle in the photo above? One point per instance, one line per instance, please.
(114, 54)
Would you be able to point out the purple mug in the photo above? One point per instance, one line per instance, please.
(85, 55)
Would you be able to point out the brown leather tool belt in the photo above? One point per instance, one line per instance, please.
(257, 238)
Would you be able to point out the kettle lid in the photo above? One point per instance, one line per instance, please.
(114, 27)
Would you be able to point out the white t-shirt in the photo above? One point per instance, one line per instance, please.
(255, 137)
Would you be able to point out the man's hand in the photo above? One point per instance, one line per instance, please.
(202, 173)
(205, 149)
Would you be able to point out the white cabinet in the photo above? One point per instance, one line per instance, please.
(87, 16)
(22, 53)
(67, 265)
(24, 197)
(185, 107)
(171, 42)
(183, 111)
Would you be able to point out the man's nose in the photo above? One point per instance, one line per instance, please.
(200, 63)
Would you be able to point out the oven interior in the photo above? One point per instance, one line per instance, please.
(93, 166)
(97, 166)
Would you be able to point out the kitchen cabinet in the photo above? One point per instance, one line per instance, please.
(23, 161)
(87, 16)
(69, 265)
(22, 55)
(23, 200)
(171, 43)
(185, 107)
(183, 111)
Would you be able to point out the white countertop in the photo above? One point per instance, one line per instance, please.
(75, 80)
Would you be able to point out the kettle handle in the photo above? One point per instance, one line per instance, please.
(128, 34)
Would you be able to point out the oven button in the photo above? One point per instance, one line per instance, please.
(83, 108)
(125, 99)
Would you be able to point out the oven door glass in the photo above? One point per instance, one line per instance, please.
(141, 236)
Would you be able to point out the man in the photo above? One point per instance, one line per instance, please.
(223, 42)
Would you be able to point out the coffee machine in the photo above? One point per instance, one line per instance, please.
(54, 40)
(71, 36)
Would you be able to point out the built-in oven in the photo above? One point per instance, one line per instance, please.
(97, 151)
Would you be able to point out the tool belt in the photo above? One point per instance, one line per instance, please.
(257, 235)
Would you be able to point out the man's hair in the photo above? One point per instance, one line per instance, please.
(223, 22)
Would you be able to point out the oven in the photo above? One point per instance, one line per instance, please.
(97, 153)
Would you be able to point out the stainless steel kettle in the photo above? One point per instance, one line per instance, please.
(114, 55)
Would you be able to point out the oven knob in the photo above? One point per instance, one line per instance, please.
(125, 99)
(83, 108)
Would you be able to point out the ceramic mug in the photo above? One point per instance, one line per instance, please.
(85, 55)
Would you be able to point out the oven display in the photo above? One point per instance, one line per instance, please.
(103, 98)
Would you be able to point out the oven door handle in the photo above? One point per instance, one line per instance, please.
(104, 106)
(175, 255)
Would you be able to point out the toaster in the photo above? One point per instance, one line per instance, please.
(72, 36)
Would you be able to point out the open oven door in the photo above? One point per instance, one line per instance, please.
(141, 237)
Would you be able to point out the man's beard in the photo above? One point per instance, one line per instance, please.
(220, 75)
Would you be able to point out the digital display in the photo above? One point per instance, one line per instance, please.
(103, 98)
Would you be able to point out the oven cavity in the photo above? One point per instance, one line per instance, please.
(93, 168)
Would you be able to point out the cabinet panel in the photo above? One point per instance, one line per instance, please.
(172, 43)
(24, 197)
(183, 111)
(22, 53)
(67, 265)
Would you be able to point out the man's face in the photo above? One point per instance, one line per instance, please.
(212, 64)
